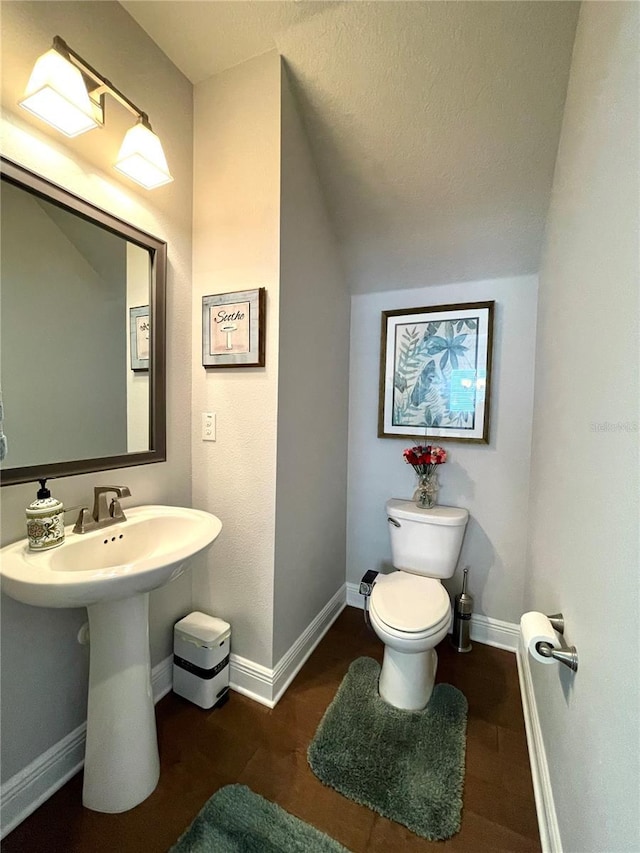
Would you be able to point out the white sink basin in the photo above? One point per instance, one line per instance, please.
(144, 552)
(111, 572)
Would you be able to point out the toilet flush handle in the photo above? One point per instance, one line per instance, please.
(393, 521)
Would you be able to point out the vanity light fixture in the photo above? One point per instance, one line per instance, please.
(56, 92)
(67, 93)
(141, 156)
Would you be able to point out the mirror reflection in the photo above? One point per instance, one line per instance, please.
(76, 351)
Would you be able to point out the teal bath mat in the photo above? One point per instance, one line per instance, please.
(235, 820)
(405, 765)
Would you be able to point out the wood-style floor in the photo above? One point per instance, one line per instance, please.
(266, 750)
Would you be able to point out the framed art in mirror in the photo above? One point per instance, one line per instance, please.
(435, 372)
(139, 337)
(80, 393)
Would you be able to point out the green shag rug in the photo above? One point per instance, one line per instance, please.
(405, 765)
(235, 820)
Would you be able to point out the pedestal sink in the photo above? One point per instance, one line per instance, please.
(111, 572)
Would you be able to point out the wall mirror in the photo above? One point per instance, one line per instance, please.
(82, 335)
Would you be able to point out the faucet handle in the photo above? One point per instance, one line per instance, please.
(85, 521)
(115, 510)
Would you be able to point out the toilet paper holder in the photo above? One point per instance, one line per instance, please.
(569, 655)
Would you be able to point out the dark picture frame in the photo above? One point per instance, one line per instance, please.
(19, 176)
(139, 334)
(435, 372)
(233, 329)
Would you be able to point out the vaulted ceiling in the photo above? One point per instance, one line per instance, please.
(434, 125)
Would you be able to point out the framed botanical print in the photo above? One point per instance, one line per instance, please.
(435, 372)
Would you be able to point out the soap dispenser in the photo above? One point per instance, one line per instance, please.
(45, 520)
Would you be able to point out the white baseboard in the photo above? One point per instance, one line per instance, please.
(29, 788)
(162, 678)
(267, 686)
(494, 632)
(484, 629)
(545, 806)
(292, 661)
(354, 599)
(251, 679)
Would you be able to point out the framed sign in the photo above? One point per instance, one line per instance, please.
(233, 329)
(435, 372)
(139, 329)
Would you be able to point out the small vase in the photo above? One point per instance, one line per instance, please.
(426, 495)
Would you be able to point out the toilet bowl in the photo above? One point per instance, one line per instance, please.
(409, 608)
(411, 615)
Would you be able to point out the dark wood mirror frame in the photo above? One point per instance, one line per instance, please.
(21, 177)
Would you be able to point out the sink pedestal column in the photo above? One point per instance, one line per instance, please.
(122, 766)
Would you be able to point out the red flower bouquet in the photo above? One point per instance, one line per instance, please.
(425, 460)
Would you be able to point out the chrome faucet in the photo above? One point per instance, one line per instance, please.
(102, 515)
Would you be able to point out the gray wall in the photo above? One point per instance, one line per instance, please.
(311, 478)
(583, 554)
(43, 668)
(236, 247)
(276, 475)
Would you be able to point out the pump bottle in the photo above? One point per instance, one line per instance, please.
(45, 520)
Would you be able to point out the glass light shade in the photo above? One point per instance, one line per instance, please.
(142, 159)
(57, 94)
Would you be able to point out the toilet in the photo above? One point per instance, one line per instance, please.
(409, 608)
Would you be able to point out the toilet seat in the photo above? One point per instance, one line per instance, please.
(409, 605)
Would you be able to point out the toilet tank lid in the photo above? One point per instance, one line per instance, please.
(450, 516)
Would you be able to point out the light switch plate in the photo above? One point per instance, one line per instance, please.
(208, 426)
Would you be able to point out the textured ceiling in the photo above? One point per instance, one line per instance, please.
(434, 125)
(204, 37)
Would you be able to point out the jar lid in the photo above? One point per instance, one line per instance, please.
(203, 628)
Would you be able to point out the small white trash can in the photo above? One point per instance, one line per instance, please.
(201, 646)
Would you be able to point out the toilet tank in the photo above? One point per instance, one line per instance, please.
(425, 541)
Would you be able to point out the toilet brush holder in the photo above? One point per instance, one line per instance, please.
(462, 610)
